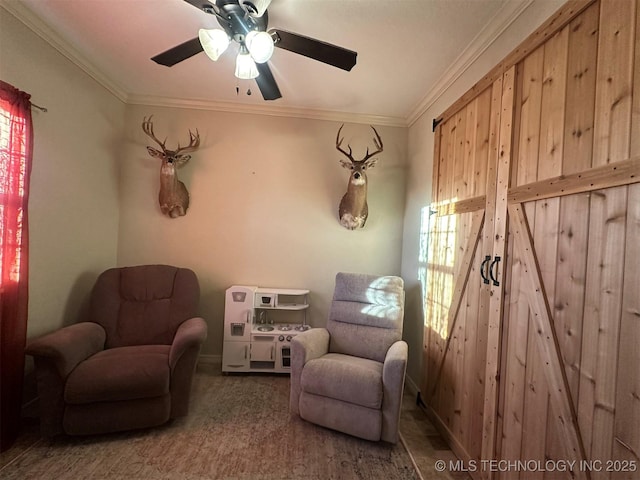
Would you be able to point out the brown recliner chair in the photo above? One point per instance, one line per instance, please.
(131, 365)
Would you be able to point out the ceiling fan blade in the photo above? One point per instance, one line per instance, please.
(204, 5)
(179, 53)
(266, 83)
(309, 47)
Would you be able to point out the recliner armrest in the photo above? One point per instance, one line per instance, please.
(68, 346)
(395, 362)
(191, 333)
(314, 343)
(393, 373)
(304, 347)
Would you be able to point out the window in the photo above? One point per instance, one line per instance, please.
(13, 160)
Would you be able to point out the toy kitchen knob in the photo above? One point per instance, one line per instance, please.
(289, 338)
(281, 338)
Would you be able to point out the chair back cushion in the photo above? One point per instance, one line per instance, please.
(143, 305)
(366, 315)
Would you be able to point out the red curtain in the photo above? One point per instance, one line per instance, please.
(16, 146)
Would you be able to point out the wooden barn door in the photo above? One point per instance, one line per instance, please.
(460, 252)
(571, 326)
(542, 364)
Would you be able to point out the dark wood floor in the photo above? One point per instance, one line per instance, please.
(424, 443)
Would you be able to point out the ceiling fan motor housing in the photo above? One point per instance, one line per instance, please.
(237, 18)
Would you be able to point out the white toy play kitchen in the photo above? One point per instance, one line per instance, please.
(259, 324)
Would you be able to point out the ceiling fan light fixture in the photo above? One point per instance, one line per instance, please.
(245, 66)
(260, 45)
(214, 42)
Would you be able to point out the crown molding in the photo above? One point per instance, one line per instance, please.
(270, 110)
(507, 14)
(500, 22)
(33, 22)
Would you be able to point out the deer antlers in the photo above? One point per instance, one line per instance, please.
(376, 140)
(194, 140)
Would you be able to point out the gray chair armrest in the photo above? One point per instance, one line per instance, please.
(310, 344)
(393, 372)
(68, 346)
(304, 347)
(191, 333)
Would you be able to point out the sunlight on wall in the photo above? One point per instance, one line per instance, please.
(423, 252)
(437, 260)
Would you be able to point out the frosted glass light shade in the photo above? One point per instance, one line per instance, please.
(260, 46)
(245, 66)
(214, 42)
(259, 5)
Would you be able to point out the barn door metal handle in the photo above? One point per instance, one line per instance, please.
(495, 262)
(483, 266)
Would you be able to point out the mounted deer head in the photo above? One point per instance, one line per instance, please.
(353, 209)
(173, 196)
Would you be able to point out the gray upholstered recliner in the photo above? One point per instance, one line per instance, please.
(349, 376)
(131, 364)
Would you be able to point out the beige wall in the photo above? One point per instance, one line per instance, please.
(73, 206)
(420, 163)
(264, 191)
(264, 198)
(264, 194)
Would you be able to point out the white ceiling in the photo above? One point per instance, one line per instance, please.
(407, 50)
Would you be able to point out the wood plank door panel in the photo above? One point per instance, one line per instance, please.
(457, 300)
(563, 396)
(540, 145)
(452, 388)
(626, 440)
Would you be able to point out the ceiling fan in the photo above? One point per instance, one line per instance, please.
(245, 22)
